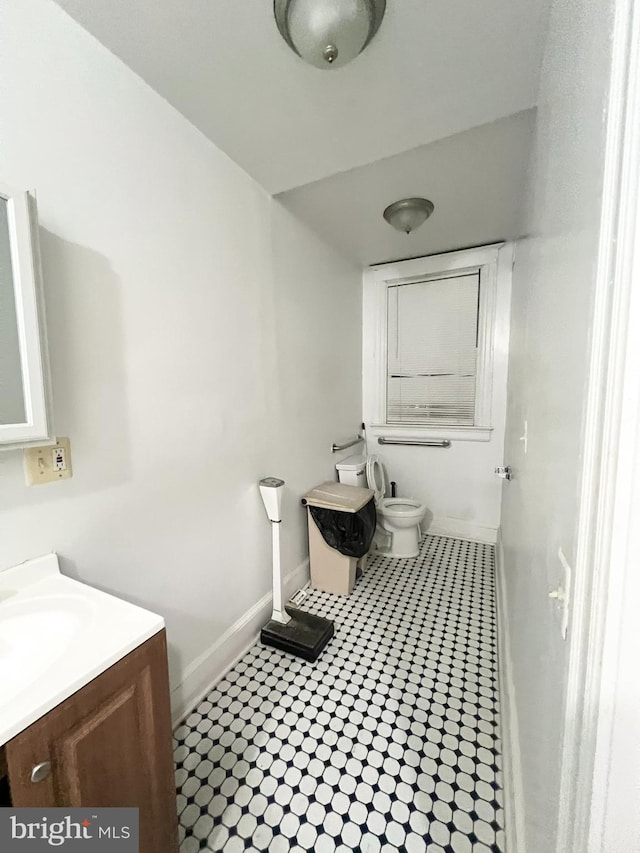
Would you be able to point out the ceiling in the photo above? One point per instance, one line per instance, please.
(436, 68)
(475, 179)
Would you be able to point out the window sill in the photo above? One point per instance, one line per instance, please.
(435, 433)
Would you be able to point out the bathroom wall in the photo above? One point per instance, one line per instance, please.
(200, 338)
(552, 301)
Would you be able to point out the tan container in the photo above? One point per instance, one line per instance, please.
(332, 495)
(330, 570)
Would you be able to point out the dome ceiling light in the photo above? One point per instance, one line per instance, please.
(328, 33)
(408, 213)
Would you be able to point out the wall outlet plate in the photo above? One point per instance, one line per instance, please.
(48, 463)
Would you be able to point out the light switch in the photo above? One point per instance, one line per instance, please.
(562, 594)
(524, 438)
(47, 464)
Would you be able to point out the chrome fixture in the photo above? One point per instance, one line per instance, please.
(408, 213)
(353, 441)
(40, 772)
(328, 33)
(504, 472)
(417, 442)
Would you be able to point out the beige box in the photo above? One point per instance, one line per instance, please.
(330, 570)
(332, 495)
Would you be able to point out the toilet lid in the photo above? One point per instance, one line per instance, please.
(375, 478)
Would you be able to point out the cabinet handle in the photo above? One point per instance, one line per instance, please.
(41, 771)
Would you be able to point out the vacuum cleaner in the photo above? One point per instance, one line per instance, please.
(289, 629)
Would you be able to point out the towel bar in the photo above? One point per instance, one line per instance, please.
(418, 442)
(336, 447)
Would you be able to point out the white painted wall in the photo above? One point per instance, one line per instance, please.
(553, 289)
(458, 483)
(200, 338)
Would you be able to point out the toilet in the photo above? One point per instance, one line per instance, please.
(399, 518)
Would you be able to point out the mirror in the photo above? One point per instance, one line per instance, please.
(12, 408)
(23, 366)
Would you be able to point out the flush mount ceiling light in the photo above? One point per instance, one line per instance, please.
(328, 33)
(408, 213)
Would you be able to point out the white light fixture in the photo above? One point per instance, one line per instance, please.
(408, 213)
(328, 33)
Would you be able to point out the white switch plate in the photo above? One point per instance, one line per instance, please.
(47, 464)
(564, 594)
(525, 436)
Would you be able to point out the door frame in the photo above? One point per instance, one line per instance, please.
(599, 766)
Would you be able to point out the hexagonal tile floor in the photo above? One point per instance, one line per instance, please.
(389, 741)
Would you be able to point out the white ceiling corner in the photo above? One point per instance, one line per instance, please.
(474, 178)
(435, 69)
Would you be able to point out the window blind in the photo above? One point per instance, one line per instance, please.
(432, 331)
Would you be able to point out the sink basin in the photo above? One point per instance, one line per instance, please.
(34, 636)
(57, 635)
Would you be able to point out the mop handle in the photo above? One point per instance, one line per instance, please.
(279, 612)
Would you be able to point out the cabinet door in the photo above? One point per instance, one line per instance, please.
(109, 745)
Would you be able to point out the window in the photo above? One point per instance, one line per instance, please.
(432, 346)
(429, 340)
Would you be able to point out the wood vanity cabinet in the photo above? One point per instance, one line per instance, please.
(109, 744)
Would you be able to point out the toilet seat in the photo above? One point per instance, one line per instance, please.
(401, 508)
(375, 478)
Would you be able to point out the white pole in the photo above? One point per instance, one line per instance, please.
(279, 613)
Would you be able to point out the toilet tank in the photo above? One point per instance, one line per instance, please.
(352, 471)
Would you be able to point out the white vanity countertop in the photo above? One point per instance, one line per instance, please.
(56, 635)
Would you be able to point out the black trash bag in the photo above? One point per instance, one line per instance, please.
(350, 533)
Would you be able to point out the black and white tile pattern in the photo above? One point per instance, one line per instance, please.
(388, 742)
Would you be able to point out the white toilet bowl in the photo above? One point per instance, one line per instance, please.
(401, 517)
(398, 518)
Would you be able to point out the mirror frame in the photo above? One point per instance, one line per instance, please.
(27, 285)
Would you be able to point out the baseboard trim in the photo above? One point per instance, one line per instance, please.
(512, 768)
(209, 667)
(456, 528)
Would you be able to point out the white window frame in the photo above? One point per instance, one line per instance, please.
(378, 280)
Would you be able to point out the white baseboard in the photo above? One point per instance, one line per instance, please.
(512, 768)
(456, 528)
(209, 667)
